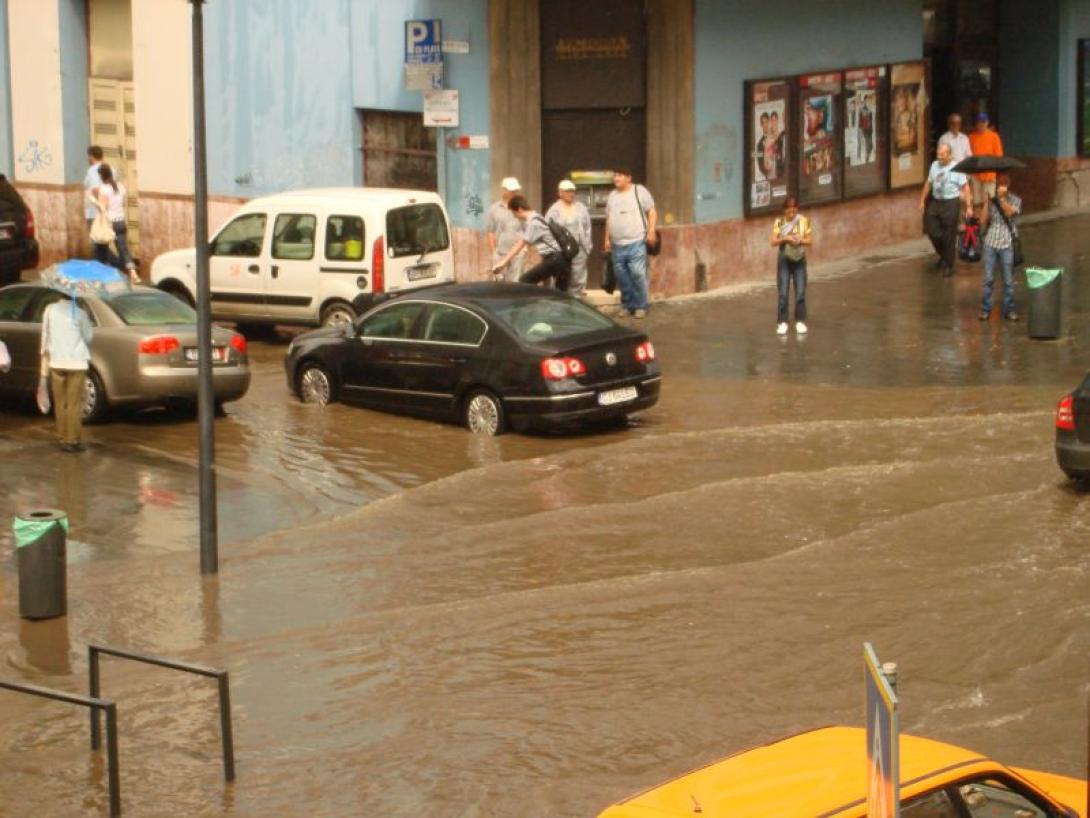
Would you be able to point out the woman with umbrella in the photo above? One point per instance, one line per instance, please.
(66, 342)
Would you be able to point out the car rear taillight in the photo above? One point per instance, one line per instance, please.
(28, 231)
(645, 352)
(158, 345)
(238, 343)
(378, 266)
(1065, 414)
(556, 369)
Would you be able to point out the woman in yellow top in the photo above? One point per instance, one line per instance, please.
(792, 234)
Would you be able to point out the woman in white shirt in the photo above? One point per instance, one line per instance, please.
(110, 196)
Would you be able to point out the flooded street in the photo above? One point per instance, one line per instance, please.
(421, 622)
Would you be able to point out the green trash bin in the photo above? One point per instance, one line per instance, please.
(1045, 301)
(41, 545)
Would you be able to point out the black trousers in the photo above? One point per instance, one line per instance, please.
(940, 222)
(554, 266)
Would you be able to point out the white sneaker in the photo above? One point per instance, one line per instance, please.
(781, 328)
(800, 328)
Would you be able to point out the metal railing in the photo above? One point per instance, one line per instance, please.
(95, 704)
(221, 676)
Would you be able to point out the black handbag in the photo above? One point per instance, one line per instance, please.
(609, 278)
(1016, 240)
(653, 247)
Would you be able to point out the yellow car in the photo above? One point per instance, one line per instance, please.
(822, 774)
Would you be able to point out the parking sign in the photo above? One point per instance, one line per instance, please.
(423, 55)
(883, 745)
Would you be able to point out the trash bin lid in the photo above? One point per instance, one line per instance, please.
(1038, 277)
(30, 526)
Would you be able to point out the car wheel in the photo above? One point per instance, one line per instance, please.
(337, 313)
(95, 402)
(484, 413)
(315, 384)
(179, 292)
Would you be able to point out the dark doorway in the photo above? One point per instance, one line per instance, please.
(961, 39)
(593, 98)
(398, 151)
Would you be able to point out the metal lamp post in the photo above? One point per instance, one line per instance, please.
(206, 406)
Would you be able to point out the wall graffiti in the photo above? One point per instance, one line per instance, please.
(35, 157)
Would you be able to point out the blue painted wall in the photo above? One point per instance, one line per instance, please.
(1029, 77)
(6, 158)
(733, 45)
(74, 61)
(278, 96)
(378, 49)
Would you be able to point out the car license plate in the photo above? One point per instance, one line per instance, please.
(423, 271)
(613, 396)
(193, 354)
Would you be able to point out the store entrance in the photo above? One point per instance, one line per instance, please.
(961, 40)
(593, 101)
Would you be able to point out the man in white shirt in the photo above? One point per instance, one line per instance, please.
(958, 141)
(91, 181)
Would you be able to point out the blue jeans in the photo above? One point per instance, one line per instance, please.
(786, 272)
(630, 267)
(123, 258)
(1006, 259)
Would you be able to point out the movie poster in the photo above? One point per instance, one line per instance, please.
(819, 128)
(908, 115)
(768, 128)
(865, 142)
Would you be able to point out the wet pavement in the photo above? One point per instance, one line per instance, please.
(421, 622)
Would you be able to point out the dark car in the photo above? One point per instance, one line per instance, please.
(18, 246)
(144, 350)
(483, 354)
(1073, 433)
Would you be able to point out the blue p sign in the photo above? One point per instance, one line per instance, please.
(423, 41)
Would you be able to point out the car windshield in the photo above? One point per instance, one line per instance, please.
(151, 308)
(547, 319)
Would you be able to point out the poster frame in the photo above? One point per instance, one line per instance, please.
(923, 150)
(775, 204)
(837, 137)
(881, 130)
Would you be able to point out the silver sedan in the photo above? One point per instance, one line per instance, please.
(144, 351)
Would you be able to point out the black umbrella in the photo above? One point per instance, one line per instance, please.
(987, 164)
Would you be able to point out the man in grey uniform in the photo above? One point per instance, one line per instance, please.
(575, 217)
(504, 229)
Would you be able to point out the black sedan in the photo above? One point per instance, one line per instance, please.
(483, 354)
(1073, 433)
(18, 246)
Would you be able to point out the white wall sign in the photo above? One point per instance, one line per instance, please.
(455, 46)
(441, 109)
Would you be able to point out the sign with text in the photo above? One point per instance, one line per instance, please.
(883, 744)
(423, 55)
(441, 109)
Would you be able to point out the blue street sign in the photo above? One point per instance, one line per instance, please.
(883, 746)
(423, 41)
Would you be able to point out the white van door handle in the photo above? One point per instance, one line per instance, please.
(253, 268)
(275, 270)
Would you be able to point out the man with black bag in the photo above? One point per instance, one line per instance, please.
(556, 246)
(940, 201)
(1002, 243)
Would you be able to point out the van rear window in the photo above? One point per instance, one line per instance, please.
(416, 230)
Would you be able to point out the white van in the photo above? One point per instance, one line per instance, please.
(317, 257)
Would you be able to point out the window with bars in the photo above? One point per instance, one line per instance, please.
(398, 151)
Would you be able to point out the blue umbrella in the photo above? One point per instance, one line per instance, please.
(79, 277)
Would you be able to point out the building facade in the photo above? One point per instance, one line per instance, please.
(313, 93)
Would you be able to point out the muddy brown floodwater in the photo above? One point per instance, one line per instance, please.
(421, 622)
